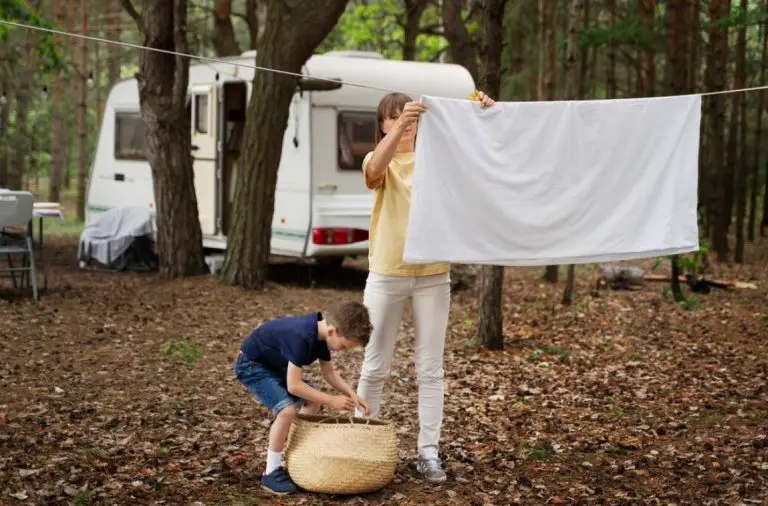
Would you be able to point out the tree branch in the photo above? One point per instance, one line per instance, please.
(131, 10)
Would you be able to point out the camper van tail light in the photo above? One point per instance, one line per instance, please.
(334, 236)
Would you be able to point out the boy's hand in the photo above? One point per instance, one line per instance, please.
(361, 403)
(342, 403)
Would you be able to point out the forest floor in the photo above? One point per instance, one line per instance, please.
(621, 398)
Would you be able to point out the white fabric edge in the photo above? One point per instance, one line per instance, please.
(539, 262)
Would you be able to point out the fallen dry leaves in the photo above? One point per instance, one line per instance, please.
(622, 398)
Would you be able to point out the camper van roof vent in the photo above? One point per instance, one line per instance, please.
(357, 54)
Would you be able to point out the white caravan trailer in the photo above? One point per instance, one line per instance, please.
(322, 207)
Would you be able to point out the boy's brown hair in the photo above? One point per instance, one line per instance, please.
(352, 321)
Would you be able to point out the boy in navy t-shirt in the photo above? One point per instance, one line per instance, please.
(270, 363)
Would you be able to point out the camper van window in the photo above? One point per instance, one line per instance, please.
(201, 114)
(356, 137)
(130, 136)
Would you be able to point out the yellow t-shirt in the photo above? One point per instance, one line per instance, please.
(389, 220)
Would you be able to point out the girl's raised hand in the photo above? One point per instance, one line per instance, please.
(411, 113)
(485, 100)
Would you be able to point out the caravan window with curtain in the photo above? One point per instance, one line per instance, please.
(130, 136)
(356, 130)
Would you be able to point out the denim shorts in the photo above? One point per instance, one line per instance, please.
(267, 385)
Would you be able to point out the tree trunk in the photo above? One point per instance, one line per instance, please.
(15, 176)
(113, 50)
(572, 87)
(97, 63)
(694, 43)
(758, 137)
(543, 30)
(584, 56)
(54, 177)
(491, 276)
(764, 223)
(545, 85)
(82, 118)
(677, 82)
(224, 40)
(716, 72)
(677, 70)
(163, 80)
(413, 12)
(740, 163)
(462, 49)
(71, 95)
(293, 30)
(4, 124)
(647, 9)
(611, 88)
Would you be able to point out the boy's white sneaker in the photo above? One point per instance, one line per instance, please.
(432, 470)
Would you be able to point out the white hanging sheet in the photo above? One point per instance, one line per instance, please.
(564, 182)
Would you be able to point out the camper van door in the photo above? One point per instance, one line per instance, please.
(204, 103)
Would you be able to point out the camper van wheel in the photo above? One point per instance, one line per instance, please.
(330, 263)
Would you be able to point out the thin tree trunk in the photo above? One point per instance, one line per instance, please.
(647, 64)
(21, 134)
(70, 95)
(54, 177)
(82, 119)
(716, 72)
(23, 88)
(4, 124)
(694, 44)
(611, 89)
(97, 63)
(546, 84)
(584, 56)
(542, 39)
(163, 80)
(758, 137)
(677, 82)
(491, 276)
(224, 40)
(740, 163)
(572, 92)
(293, 30)
(113, 50)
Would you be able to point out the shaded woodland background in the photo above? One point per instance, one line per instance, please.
(628, 49)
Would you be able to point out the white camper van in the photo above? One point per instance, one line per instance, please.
(322, 207)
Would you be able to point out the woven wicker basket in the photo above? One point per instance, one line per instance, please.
(337, 455)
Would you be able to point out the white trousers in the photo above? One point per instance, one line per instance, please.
(385, 297)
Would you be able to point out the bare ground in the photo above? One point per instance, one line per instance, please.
(622, 398)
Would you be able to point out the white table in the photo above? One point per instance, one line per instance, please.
(41, 211)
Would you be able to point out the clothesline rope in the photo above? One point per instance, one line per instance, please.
(277, 71)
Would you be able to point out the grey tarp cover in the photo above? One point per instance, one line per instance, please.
(122, 238)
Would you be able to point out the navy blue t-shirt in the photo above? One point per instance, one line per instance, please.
(286, 339)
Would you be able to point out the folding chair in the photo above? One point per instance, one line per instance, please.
(16, 236)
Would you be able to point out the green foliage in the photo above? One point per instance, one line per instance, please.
(182, 350)
(379, 27)
(17, 11)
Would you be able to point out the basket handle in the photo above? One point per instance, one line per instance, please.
(338, 418)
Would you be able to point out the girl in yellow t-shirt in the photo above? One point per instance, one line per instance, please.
(388, 172)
